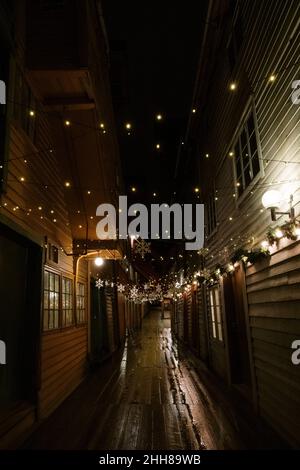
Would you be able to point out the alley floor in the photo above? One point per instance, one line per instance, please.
(151, 396)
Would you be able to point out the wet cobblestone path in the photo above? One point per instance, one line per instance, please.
(146, 398)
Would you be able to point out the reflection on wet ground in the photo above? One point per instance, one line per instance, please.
(147, 398)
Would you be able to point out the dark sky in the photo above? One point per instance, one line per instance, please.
(154, 49)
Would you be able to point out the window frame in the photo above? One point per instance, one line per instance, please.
(79, 310)
(51, 273)
(215, 314)
(249, 109)
(60, 325)
(70, 296)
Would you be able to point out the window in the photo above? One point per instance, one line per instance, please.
(211, 219)
(51, 300)
(80, 303)
(246, 155)
(67, 301)
(215, 313)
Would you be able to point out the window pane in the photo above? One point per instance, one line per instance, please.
(51, 300)
(51, 275)
(56, 283)
(46, 280)
(220, 333)
(255, 164)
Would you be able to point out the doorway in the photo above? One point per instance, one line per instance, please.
(238, 345)
(99, 336)
(20, 317)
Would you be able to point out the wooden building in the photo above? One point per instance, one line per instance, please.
(247, 131)
(58, 161)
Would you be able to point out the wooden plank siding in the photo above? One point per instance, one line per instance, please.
(35, 200)
(274, 297)
(272, 38)
(64, 366)
(270, 46)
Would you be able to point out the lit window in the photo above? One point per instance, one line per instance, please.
(67, 301)
(80, 303)
(215, 313)
(246, 155)
(51, 301)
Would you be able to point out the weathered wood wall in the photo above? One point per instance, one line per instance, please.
(273, 288)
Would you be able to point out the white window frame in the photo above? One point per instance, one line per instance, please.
(250, 109)
(215, 313)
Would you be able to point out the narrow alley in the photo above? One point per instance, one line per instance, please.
(150, 396)
(149, 229)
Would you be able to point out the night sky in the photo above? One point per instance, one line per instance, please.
(154, 49)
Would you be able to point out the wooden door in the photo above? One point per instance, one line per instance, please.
(237, 340)
(99, 336)
(20, 316)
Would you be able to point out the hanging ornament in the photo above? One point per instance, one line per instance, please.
(134, 293)
(121, 288)
(99, 283)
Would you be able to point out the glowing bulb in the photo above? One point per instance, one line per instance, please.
(133, 189)
(67, 123)
(232, 86)
(102, 125)
(158, 146)
(22, 178)
(67, 184)
(272, 78)
(99, 261)
(206, 155)
(193, 110)
(196, 190)
(158, 117)
(278, 233)
(231, 154)
(128, 125)
(31, 113)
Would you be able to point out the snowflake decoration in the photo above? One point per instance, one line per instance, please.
(99, 283)
(134, 293)
(142, 248)
(121, 288)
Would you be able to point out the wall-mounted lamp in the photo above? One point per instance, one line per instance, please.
(272, 200)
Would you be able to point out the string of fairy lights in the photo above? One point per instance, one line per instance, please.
(129, 128)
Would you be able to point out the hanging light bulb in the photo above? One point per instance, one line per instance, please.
(99, 261)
